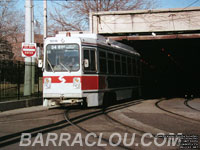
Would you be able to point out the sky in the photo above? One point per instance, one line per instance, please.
(162, 4)
(178, 3)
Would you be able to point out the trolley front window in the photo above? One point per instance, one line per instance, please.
(62, 57)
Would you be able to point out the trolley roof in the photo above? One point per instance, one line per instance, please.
(87, 37)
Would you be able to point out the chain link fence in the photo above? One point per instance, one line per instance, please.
(12, 80)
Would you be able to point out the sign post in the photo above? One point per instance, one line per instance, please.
(28, 39)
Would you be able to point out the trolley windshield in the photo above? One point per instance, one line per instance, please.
(62, 57)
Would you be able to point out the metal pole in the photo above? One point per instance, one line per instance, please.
(28, 37)
(91, 22)
(45, 19)
(33, 59)
(18, 80)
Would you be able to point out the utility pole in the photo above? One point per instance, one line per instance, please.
(33, 59)
(28, 39)
(45, 19)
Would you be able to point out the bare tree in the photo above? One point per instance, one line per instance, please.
(74, 15)
(11, 24)
(11, 20)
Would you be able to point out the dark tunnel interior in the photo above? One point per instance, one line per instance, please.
(170, 68)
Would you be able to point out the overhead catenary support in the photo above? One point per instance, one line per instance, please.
(91, 22)
(45, 19)
(28, 39)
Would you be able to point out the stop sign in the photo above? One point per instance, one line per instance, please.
(28, 49)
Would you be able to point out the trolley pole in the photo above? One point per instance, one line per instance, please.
(28, 39)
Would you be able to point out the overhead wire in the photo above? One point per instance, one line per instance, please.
(191, 4)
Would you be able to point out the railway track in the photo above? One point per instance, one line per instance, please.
(187, 104)
(15, 137)
(176, 115)
(104, 112)
(74, 116)
(124, 128)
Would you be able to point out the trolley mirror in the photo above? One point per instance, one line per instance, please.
(40, 64)
(86, 63)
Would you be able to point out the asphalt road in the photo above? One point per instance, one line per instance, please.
(137, 124)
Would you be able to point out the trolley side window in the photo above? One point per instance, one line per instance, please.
(92, 60)
(129, 62)
(90, 56)
(117, 64)
(138, 66)
(124, 65)
(111, 67)
(134, 66)
(102, 62)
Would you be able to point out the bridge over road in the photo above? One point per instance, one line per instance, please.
(168, 41)
(140, 24)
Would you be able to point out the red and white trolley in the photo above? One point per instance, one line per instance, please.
(88, 69)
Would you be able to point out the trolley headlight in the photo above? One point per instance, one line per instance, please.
(47, 83)
(76, 82)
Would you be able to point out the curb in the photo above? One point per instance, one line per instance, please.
(10, 105)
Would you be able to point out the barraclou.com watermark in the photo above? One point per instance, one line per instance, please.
(92, 139)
